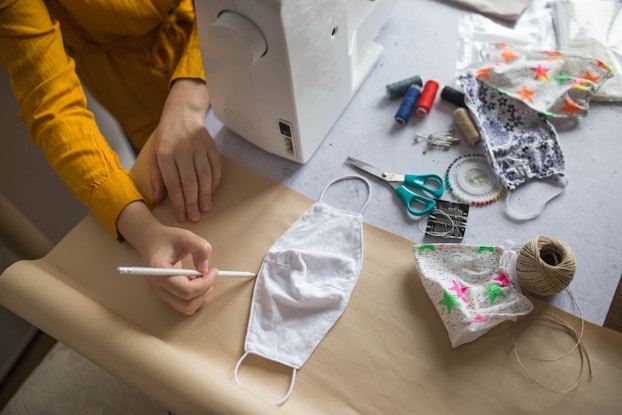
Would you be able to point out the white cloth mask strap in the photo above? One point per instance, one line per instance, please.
(352, 176)
(516, 215)
(291, 383)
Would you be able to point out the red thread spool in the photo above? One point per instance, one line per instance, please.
(424, 105)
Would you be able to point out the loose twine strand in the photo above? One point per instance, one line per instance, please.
(546, 266)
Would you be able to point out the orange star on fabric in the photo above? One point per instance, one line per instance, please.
(526, 94)
(591, 77)
(484, 73)
(509, 55)
(540, 73)
(570, 107)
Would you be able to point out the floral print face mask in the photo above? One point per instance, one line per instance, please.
(512, 96)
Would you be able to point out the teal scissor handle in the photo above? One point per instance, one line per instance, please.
(423, 182)
(412, 200)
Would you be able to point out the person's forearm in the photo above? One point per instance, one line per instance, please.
(189, 92)
(135, 224)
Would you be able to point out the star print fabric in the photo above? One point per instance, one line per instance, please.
(550, 82)
(511, 98)
(471, 287)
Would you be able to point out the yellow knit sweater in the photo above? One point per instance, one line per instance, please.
(126, 52)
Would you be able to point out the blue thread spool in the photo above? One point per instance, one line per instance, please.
(408, 104)
(399, 88)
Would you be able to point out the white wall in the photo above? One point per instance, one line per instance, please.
(29, 183)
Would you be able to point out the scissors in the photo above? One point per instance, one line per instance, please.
(399, 182)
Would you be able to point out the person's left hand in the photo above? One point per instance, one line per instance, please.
(183, 159)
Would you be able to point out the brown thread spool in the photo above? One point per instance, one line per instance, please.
(545, 265)
(465, 124)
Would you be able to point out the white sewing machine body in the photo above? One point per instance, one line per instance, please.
(280, 72)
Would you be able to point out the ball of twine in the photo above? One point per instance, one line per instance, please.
(545, 265)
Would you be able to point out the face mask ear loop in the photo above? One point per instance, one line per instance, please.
(291, 383)
(514, 214)
(289, 391)
(352, 176)
(237, 368)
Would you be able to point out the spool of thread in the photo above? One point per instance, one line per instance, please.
(399, 88)
(545, 265)
(465, 124)
(408, 104)
(453, 95)
(427, 98)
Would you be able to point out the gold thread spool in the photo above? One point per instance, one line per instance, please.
(545, 265)
(465, 124)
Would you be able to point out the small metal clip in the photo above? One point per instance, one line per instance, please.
(439, 140)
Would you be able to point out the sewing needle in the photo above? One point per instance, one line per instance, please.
(178, 271)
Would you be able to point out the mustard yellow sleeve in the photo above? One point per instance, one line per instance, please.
(53, 105)
(190, 64)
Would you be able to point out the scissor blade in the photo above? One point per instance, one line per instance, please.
(389, 177)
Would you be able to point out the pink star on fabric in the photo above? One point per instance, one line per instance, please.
(479, 319)
(459, 290)
(540, 73)
(503, 279)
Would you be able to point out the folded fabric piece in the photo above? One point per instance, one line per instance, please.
(592, 28)
(506, 10)
(476, 33)
(472, 287)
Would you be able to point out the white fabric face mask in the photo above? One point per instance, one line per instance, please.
(304, 285)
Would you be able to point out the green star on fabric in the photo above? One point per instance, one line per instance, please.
(493, 292)
(449, 300)
(561, 78)
(486, 248)
(423, 247)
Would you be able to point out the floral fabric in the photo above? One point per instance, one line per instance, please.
(520, 143)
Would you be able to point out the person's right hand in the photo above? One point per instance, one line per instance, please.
(183, 159)
(164, 246)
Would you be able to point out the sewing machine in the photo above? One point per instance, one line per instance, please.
(280, 72)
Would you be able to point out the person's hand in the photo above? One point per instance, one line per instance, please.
(165, 246)
(183, 159)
